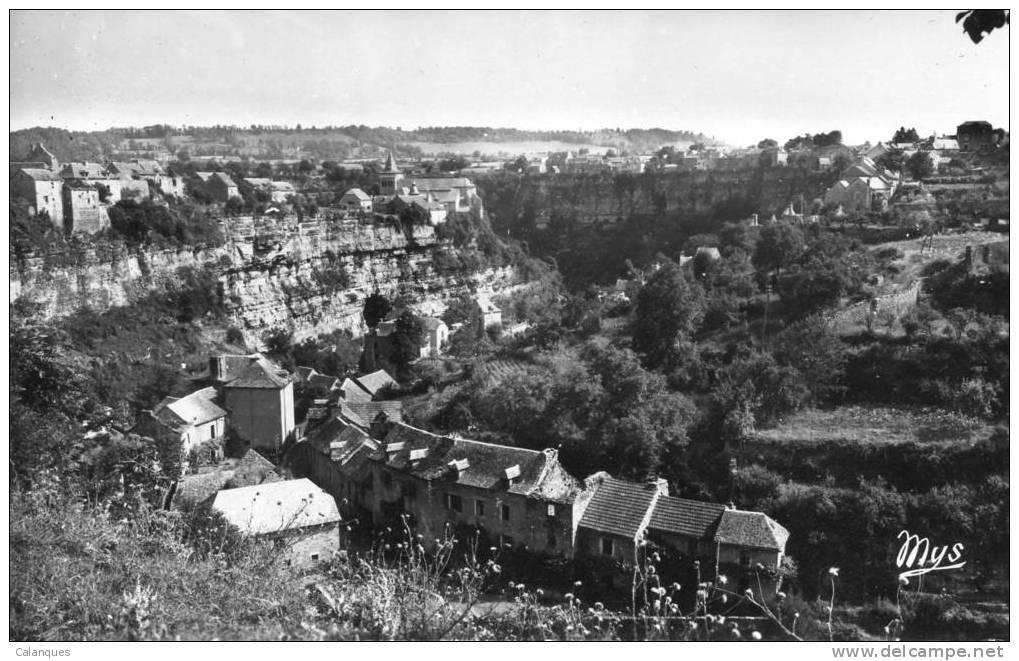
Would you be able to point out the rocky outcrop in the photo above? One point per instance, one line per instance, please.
(310, 276)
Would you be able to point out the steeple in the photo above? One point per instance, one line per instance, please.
(390, 163)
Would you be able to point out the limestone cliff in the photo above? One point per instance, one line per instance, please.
(310, 276)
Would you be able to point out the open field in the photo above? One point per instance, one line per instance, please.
(867, 425)
(506, 149)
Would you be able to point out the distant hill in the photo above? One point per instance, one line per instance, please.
(332, 142)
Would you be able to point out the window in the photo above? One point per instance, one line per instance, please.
(479, 507)
(551, 509)
(606, 546)
(505, 512)
(213, 430)
(314, 557)
(507, 541)
(453, 502)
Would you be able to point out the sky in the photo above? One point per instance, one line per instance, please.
(739, 76)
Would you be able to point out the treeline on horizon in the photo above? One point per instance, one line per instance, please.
(77, 145)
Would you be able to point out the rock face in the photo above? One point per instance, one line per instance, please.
(310, 276)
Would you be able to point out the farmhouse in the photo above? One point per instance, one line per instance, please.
(42, 189)
(298, 516)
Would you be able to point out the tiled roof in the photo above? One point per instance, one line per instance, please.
(752, 529)
(425, 184)
(303, 373)
(195, 409)
(348, 414)
(618, 507)
(358, 193)
(258, 182)
(148, 167)
(225, 178)
(323, 381)
(261, 373)
(431, 323)
(276, 506)
(251, 469)
(691, 518)
(40, 174)
(486, 305)
(85, 170)
(369, 410)
(376, 381)
(487, 464)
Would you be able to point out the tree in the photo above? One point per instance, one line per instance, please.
(767, 143)
(669, 307)
(779, 245)
(407, 338)
(906, 135)
(893, 160)
(920, 165)
(376, 307)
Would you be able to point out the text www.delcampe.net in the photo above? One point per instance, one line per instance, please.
(899, 651)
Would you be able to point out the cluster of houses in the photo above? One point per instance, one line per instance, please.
(234, 445)
(76, 196)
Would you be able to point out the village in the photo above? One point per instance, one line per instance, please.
(236, 442)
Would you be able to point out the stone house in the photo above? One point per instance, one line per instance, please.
(457, 194)
(617, 518)
(298, 516)
(202, 487)
(277, 191)
(424, 203)
(486, 313)
(355, 200)
(218, 186)
(42, 189)
(436, 336)
(83, 209)
(259, 398)
(182, 425)
(516, 496)
(95, 173)
(371, 383)
(975, 135)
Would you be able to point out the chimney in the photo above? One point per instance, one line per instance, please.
(659, 484)
(379, 426)
(413, 188)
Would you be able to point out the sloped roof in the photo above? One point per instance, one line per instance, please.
(369, 410)
(204, 176)
(41, 174)
(425, 184)
(276, 506)
(376, 381)
(323, 381)
(487, 464)
(358, 193)
(123, 167)
(282, 186)
(261, 373)
(618, 507)
(486, 305)
(225, 178)
(197, 408)
(252, 469)
(258, 182)
(194, 489)
(751, 529)
(304, 373)
(681, 516)
(350, 416)
(431, 323)
(85, 170)
(148, 166)
(354, 391)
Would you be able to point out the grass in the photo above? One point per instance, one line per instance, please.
(875, 425)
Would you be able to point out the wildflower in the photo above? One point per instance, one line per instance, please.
(520, 586)
(657, 605)
(833, 571)
(569, 627)
(656, 557)
(693, 625)
(539, 592)
(386, 547)
(903, 581)
(569, 596)
(780, 595)
(651, 569)
(721, 619)
(725, 598)
(496, 569)
(490, 548)
(735, 633)
(512, 585)
(796, 615)
(702, 595)
(673, 608)
(749, 593)
(577, 584)
(599, 606)
(723, 579)
(756, 635)
(887, 631)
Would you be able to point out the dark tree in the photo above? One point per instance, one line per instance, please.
(407, 337)
(919, 165)
(376, 307)
(906, 135)
(779, 246)
(767, 143)
(669, 307)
